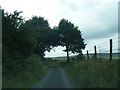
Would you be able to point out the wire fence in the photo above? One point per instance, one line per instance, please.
(109, 50)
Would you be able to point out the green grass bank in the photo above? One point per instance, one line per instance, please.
(94, 73)
(27, 76)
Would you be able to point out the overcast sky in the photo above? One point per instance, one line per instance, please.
(97, 19)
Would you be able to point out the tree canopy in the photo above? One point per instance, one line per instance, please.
(70, 37)
(36, 36)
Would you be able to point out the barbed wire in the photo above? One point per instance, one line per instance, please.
(105, 44)
(116, 38)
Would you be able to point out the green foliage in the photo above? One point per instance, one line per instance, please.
(11, 60)
(22, 40)
(80, 56)
(94, 74)
(71, 37)
(16, 44)
(13, 37)
(38, 29)
(34, 70)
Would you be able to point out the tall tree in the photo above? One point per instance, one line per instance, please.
(15, 44)
(39, 29)
(70, 37)
(14, 36)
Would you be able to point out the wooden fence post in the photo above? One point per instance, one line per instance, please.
(87, 54)
(110, 49)
(95, 52)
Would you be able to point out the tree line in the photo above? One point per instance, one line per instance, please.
(21, 38)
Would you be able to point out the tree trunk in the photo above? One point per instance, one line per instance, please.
(68, 59)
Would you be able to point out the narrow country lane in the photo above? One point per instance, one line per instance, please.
(55, 78)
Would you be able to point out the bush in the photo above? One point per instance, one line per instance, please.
(27, 73)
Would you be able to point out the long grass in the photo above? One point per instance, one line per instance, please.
(34, 70)
(27, 80)
(94, 73)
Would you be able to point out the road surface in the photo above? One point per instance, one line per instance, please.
(55, 78)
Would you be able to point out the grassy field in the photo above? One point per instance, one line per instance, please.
(94, 74)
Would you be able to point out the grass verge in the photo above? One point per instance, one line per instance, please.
(94, 73)
(34, 70)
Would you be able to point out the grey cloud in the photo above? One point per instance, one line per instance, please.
(102, 23)
(69, 5)
(98, 35)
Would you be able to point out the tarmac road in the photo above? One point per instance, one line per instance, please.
(55, 78)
